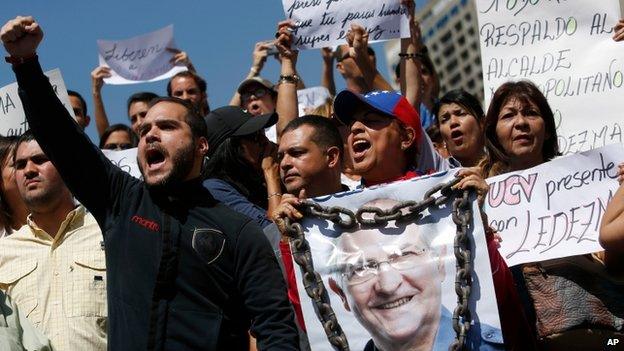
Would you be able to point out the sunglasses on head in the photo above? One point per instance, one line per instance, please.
(258, 93)
(117, 146)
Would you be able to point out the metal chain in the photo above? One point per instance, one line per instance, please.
(407, 211)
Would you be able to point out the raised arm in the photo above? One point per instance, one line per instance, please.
(411, 76)
(260, 54)
(286, 106)
(327, 72)
(97, 81)
(86, 171)
(357, 38)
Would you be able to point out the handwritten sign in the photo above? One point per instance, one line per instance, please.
(311, 98)
(12, 116)
(564, 47)
(126, 160)
(322, 23)
(553, 210)
(419, 260)
(144, 58)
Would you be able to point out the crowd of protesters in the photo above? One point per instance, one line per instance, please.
(195, 255)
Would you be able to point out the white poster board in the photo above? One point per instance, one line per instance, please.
(12, 116)
(310, 98)
(413, 289)
(126, 160)
(553, 210)
(564, 47)
(143, 58)
(324, 23)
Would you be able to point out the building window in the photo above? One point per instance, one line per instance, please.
(464, 55)
(461, 40)
(458, 26)
(471, 84)
(449, 50)
(467, 70)
(446, 37)
(454, 81)
(451, 66)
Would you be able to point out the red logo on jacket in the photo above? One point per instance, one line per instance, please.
(144, 222)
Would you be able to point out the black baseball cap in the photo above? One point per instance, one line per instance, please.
(229, 121)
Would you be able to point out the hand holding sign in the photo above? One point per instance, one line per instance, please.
(357, 38)
(21, 37)
(284, 40)
(97, 78)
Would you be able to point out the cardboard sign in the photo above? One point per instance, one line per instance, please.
(553, 210)
(311, 98)
(323, 23)
(12, 116)
(126, 160)
(565, 48)
(144, 58)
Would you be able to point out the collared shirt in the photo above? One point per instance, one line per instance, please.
(59, 282)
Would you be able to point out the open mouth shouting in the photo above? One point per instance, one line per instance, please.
(155, 157)
(360, 147)
(457, 136)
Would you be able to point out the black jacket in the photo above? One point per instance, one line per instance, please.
(218, 276)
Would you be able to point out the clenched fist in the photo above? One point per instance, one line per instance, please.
(21, 37)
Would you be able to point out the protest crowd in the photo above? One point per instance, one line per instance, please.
(195, 255)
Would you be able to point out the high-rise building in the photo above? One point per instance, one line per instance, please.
(450, 31)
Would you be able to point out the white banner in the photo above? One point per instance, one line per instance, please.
(311, 98)
(12, 116)
(126, 160)
(553, 210)
(564, 47)
(394, 284)
(324, 23)
(143, 58)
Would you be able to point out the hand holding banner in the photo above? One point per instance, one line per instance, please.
(144, 58)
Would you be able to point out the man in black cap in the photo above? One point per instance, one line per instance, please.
(184, 271)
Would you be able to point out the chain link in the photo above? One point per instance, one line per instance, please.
(407, 211)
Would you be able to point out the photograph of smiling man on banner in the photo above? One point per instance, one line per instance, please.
(392, 286)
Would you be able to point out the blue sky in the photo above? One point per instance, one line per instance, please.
(218, 35)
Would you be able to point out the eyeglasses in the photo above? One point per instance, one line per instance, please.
(258, 93)
(117, 146)
(344, 57)
(365, 271)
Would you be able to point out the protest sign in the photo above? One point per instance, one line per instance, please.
(553, 210)
(143, 58)
(565, 48)
(411, 266)
(311, 98)
(12, 116)
(126, 160)
(323, 23)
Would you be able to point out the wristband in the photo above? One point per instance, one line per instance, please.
(19, 60)
(274, 194)
(293, 79)
(417, 55)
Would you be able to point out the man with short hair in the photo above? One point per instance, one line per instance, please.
(185, 272)
(138, 104)
(54, 266)
(392, 284)
(310, 154)
(79, 105)
(189, 86)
